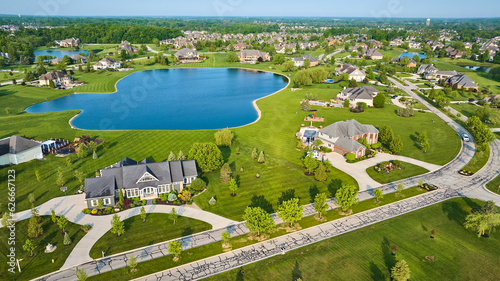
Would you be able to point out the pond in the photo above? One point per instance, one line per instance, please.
(59, 53)
(411, 55)
(172, 99)
(478, 68)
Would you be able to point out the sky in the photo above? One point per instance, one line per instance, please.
(262, 8)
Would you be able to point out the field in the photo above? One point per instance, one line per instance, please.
(274, 134)
(409, 170)
(41, 263)
(158, 227)
(466, 109)
(365, 254)
(494, 185)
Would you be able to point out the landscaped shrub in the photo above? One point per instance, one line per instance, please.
(154, 201)
(198, 185)
(136, 199)
(94, 211)
(132, 205)
(86, 227)
(172, 197)
(376, 145)
(350, 156)
(325, 149)
(86, 211)
(108, 210)
(99, 213)
(144, 202)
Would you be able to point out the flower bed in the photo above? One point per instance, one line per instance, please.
(367, 156)
(465, 173)
(388, 166)
(428, 187)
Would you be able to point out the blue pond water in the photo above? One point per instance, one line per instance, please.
(59, 53)
(171, 99)
(411, 55)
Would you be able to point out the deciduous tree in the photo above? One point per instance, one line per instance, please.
(117, 226)
(320, 205)
(175, 248)
(233, 186)
(258, 220)
(29, 246)
(290, 211)
(224, 137)
(225, 173)
(207, 155)
(347, 196)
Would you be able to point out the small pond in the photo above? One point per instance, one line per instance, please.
(59, 53)
(478, 68)
(412, 54)
(172, 99)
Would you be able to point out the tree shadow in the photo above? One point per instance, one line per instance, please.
(226, 152)
(333, 186)
(187, 231)
(260, 201)
(232, 165)
(389, 259)
(454, 212)
(237, 179)
(286, 195)
(414, 138)
(296, 272)
(377, 274)
(239, 275)
(313, 191)
(423, 227)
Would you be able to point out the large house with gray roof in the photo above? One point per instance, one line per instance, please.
(187, 55)
(353, 71)
(299, 62)
(342, 137)
(252, 56)
(16, 149)
(358, 94)
(145, 180)
(461, 81)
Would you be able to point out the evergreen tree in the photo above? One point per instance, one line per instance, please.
(225, 173)
(320, 173)
(254, 153)
(171, 156)
(66, 240)
(207, 155)
(181, 156)
(143, 214)
(94, 155)
(261, 157)
(62, 222)
(53, 216)
(396, 145)
(386, 135)
(379, 100)
(401, 271)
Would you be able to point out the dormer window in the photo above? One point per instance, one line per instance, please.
(147, 177)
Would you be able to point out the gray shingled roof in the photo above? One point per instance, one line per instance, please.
(166, 173)
(125, 162)
(348, 128)
(348, 144)
(461, 80)
(100, 187)
(304, 57)
(16, 144)
(363, 92)
(186, 52)
(53, 75)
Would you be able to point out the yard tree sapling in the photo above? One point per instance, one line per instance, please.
(66, 240)
(181, 156)
(320, 205)
(132, 263)
(320, 173)
(378, 195)
(29, 246)
(53, 216)
(233, 186)
(262, 158)
(400, 271)
(225, 173)
(81, 274)
(173, 216)
(291, 211)
(226, 237)
(254, 153)
(258, 220)
(171, 156)
(347, 196)
(117, 226)
(143, 214)
(62, 222)
(175, 248)
(310, 163)
(396, 145)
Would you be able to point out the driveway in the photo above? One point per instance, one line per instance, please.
(358, 170)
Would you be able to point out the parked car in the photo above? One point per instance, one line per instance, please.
(465, 137)
(395, 96)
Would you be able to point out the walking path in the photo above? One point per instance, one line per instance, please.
(358, 170)
(450, 182)
(71, 207)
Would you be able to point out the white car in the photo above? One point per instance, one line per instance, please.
(465, 137)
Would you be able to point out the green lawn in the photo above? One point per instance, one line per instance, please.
(466, 109)
(478, 161)
(274, 134)
(497, 134)
(483, 79)
(215, 248)
(365, 254)
(158, 228)
(6, 77)
(41, 263)
(408, 170)
(494, 185)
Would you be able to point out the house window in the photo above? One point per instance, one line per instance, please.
(132, 193)
(147, 179)
(107, 201)
(93, 203)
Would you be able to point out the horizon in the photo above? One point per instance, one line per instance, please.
(446, 9)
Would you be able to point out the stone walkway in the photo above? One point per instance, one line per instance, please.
(358, 170)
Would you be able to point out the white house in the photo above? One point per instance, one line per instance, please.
(16, 149)
(107, 63)
(353, 71)
(58, 77)
(358, 94)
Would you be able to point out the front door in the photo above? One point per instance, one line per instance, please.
(148, 191)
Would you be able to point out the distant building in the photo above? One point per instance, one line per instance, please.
(373, 54)
(353, 71)
(107, 63)
(253, 56)
(428, 22)
(59, 78)
(16, 149)
(358, 94)
(125, 45)
(299, 62)
(187, 55)
(461, 81)
(71, 42)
